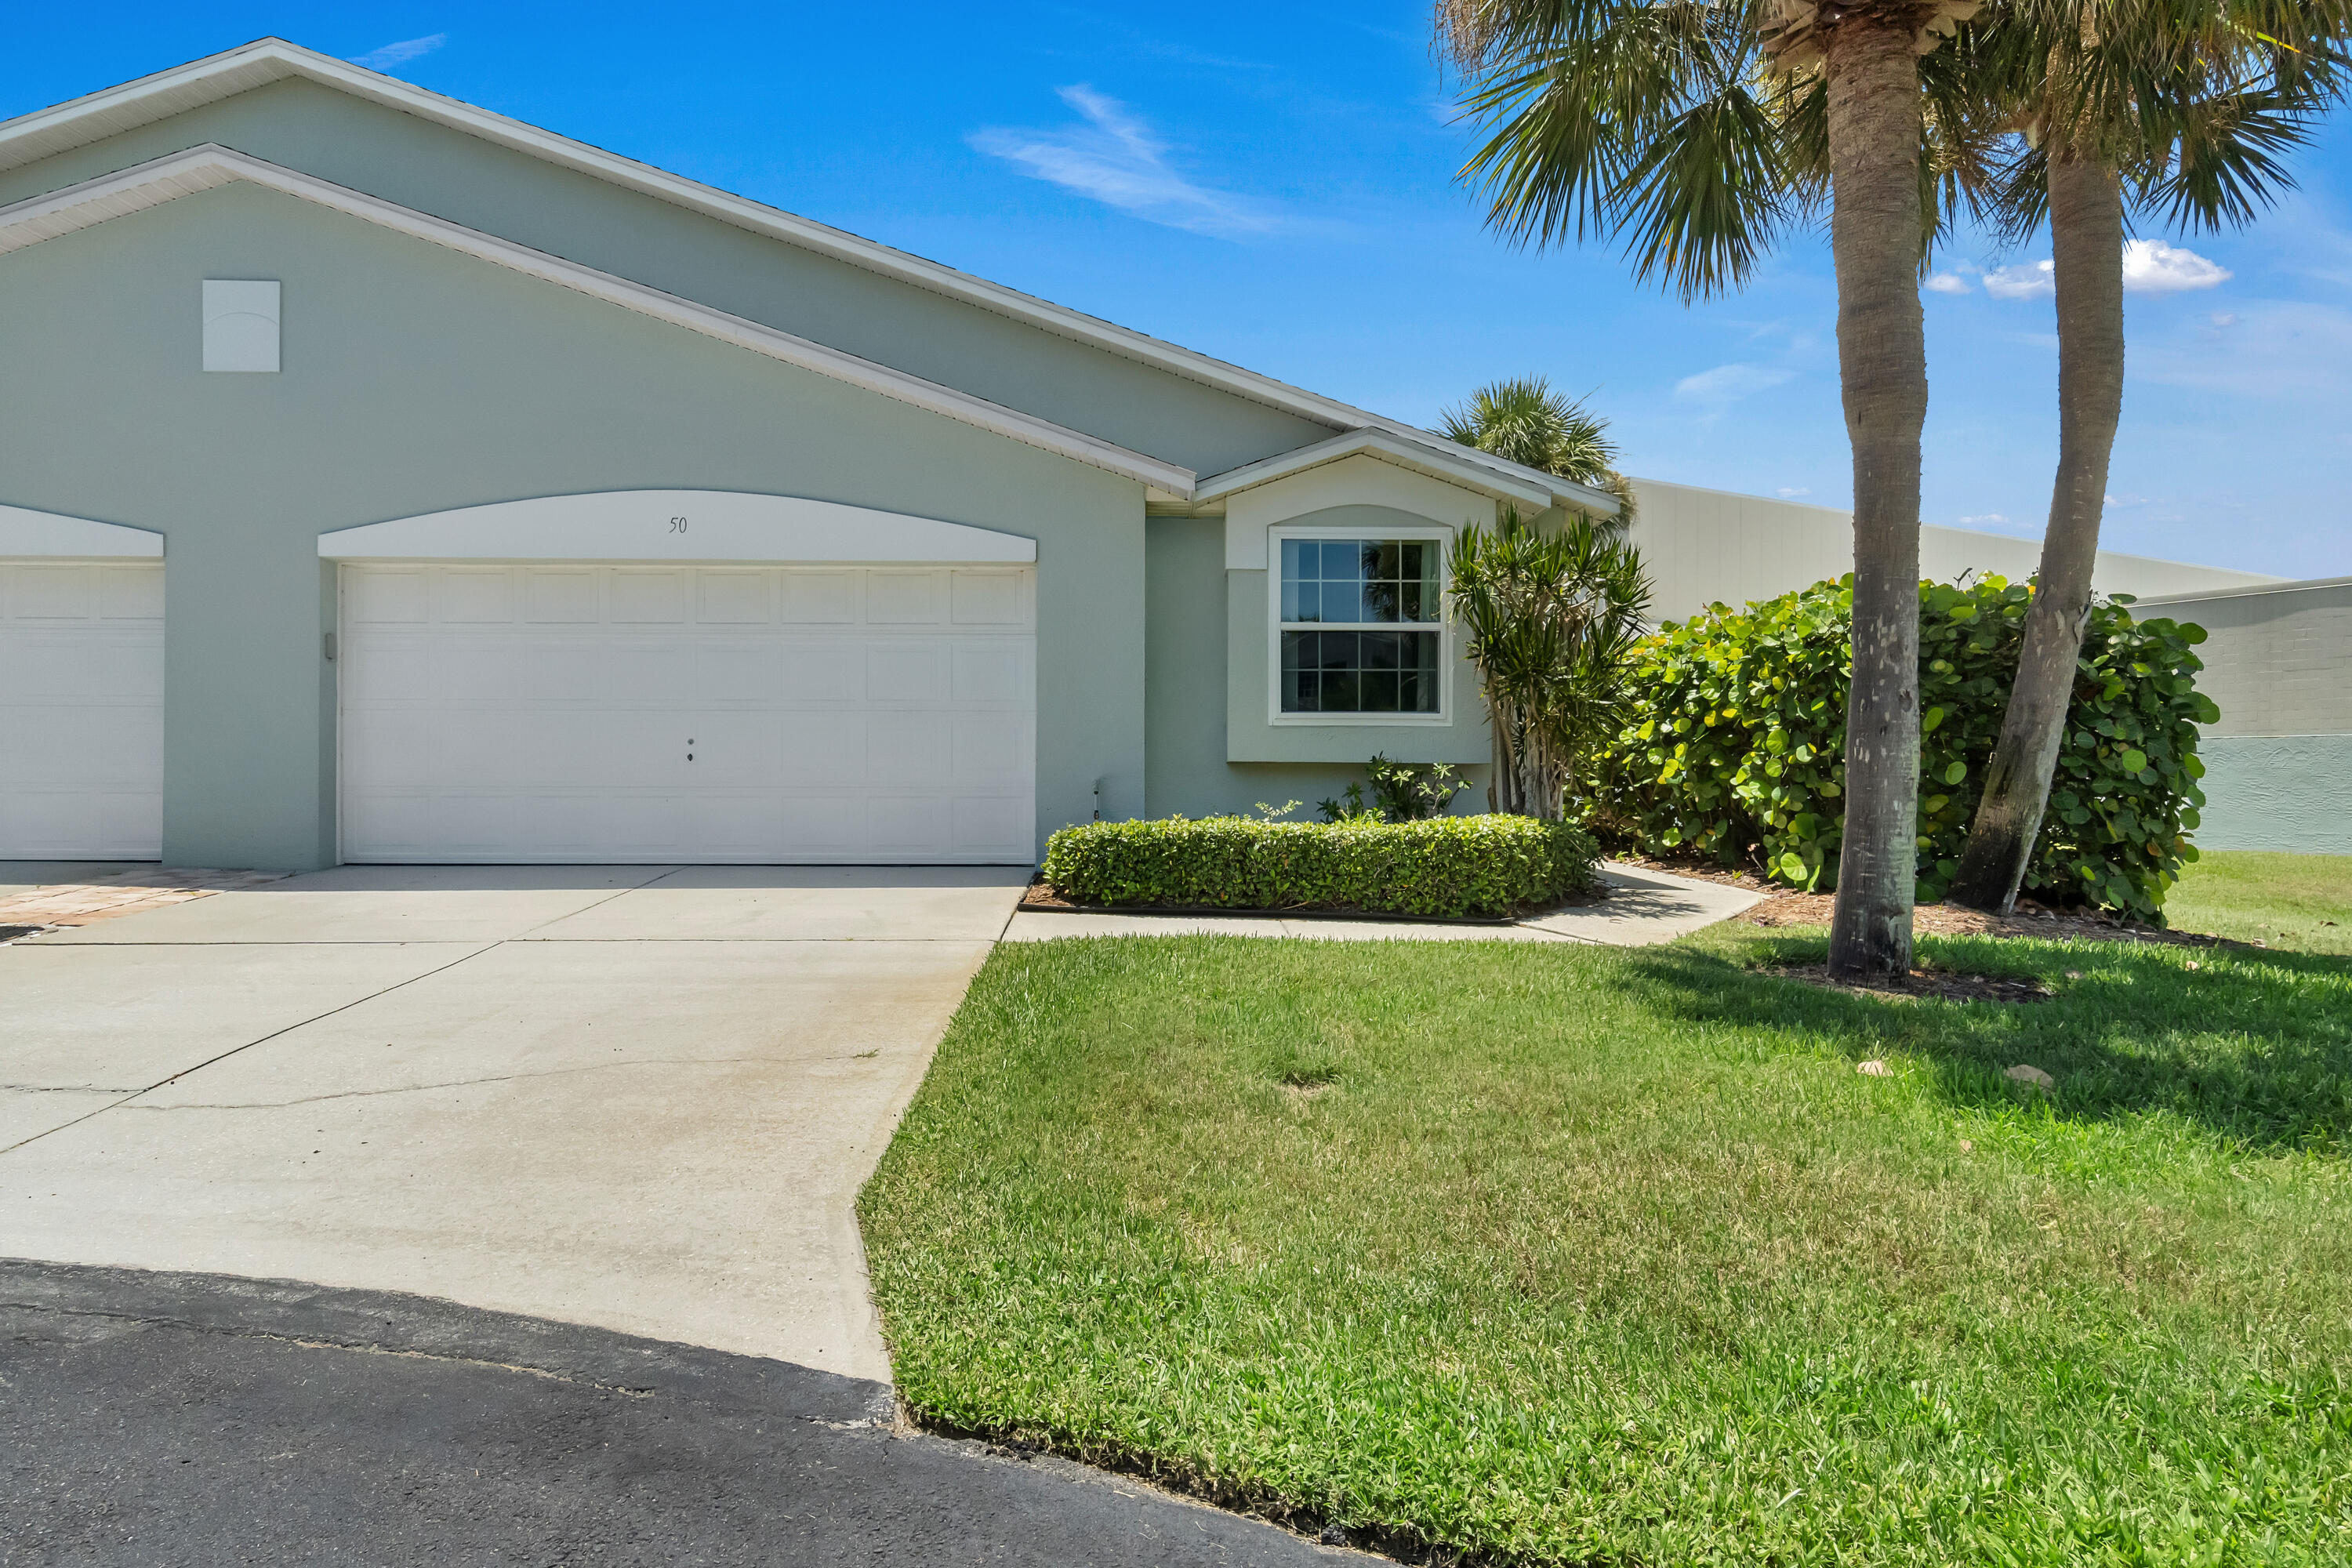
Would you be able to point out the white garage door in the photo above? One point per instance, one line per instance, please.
(82, 709)
(703, 713)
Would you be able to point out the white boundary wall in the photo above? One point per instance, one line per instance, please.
(1707, 546)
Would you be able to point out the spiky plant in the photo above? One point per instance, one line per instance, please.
(1551, 619)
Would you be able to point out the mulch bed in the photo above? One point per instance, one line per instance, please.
(1950, 919)
(1040, 898)
(1943, 984)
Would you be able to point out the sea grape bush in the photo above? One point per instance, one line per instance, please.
(1737, 749)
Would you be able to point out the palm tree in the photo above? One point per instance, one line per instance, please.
(1660, 121)
(1526, 422)
(2180, 107)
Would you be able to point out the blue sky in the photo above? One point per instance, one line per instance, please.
(1273, 185)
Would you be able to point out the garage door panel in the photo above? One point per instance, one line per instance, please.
(820, 673)
(988, 599)
(130, 592)
(820, 748)
(991, 826)
(55, 591)
(569, 596)
(991, 751)
(917, 826)
(388, 597)
(905, 598)
(821, 598)
(994, 672)
(480, 595)
(82, 709)
(734, 598)
(909, 670)
(649, 598)
(646, 670)
(830, 713)
(903, 748)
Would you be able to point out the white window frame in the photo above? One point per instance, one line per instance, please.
(1443, 626)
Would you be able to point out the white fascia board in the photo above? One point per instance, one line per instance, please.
(674, 525)
(101, 114)
(210, 166)
(1504, 481)
(26, 532)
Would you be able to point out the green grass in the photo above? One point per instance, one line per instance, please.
(1569, 1255)
(2303, 902)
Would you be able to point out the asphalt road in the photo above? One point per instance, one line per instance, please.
(180, 1418)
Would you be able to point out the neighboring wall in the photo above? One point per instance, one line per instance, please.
(1705, 547)
(2278, 663)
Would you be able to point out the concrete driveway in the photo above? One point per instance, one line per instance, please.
(637, 1097)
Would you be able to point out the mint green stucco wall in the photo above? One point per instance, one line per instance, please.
(416, 380)
(434, 169)
(1192, 611)
(2277, 792)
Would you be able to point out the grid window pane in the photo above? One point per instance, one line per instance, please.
(1359, 672)
(1360, 582)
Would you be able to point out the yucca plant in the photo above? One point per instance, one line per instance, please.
(1552, 619)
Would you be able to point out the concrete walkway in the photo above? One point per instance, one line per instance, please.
(1643, 906)
(639, 1098)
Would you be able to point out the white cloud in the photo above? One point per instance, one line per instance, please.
(400, 53)
(2029, 282)
(1726, 385)
(1790, 492)
(1948, 283)
(1987, 520)
(2222, 319)
(2152, 267)
(1115, 159)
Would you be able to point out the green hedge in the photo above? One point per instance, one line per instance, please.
(1738, 740)
(1450, 866)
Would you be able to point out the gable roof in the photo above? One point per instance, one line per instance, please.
(209, 167)
(31, 137)
(1429, 455)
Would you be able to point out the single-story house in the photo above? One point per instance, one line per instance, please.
(386, 479)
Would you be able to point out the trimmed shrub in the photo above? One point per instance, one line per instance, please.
(1450, 866)
(1738, 750)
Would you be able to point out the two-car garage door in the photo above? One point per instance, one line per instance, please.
(549, 712)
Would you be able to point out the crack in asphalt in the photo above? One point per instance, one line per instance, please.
(356, 1346)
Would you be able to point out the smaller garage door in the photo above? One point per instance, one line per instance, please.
(82, 709)
(706, 713)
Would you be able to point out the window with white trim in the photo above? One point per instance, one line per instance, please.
(1362, 626)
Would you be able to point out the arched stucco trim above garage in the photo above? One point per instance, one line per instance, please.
(673, 525)
(25, 532)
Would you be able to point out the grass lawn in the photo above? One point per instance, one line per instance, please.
(1561, 1253)
(2298, 901)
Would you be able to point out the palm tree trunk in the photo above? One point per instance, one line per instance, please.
(1874, 228)
(2086, 242)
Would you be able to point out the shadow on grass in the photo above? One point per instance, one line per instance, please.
(2256, 1046)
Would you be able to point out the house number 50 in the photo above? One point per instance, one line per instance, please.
(678, 525)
